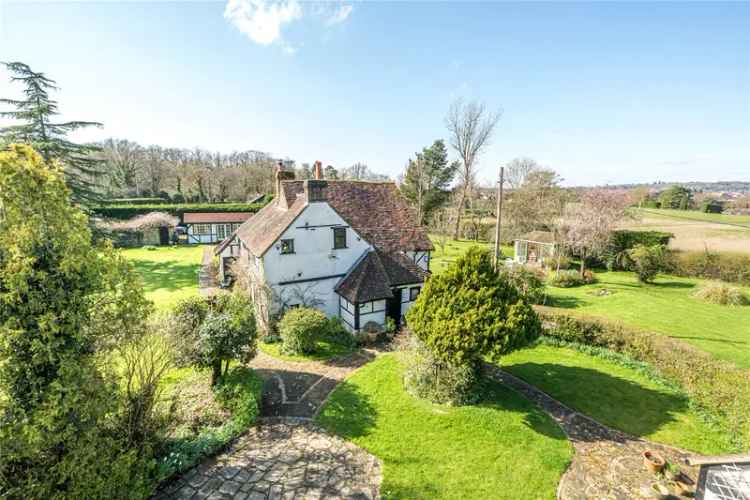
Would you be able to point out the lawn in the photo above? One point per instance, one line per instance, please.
(666, 307)
(169, 273)
(502, 447)
(442, 258)
(324, 349)
(616, 395)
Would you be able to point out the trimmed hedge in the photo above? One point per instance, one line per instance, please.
(137, 201)
(240, 393)
(719, 388)
(616, 255)
(125, 212)
(724, 266)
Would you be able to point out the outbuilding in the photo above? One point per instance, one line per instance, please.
(212, 227)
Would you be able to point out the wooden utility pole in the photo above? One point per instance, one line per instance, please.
(499, 217)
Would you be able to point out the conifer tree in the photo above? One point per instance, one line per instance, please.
(35, 114)
(427, 179)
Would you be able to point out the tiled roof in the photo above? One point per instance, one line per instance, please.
(538, 237)
(375, 275)
(215, 217)
(375, 210)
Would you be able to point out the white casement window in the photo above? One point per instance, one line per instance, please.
(287, 246)
(201, 229)
(221, 231)
(339, 238)
(365, 308)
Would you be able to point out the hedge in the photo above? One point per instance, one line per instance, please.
(724, 266)
(125, 212)
(719, 388)
(615, 256)
(136, 201)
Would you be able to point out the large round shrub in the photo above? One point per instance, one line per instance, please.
(648, 261)
(470, 311)
(300, 328)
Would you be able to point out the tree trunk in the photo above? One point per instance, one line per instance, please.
(459, 208)
(215, 372)
(583, 264)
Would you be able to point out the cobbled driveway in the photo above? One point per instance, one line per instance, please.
(287, 456)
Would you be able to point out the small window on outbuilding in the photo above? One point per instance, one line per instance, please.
(287, 246)
(339, 237)
(201, 229)
(414, 293)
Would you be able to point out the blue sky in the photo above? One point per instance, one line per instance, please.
(601, 92)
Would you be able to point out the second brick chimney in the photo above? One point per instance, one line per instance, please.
(318, 171)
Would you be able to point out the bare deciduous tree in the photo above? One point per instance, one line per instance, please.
(470, 127)
(518, 170)
(587, 226)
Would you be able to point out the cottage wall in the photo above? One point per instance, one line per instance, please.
(315, 267)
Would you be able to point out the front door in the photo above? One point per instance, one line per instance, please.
(393, 307)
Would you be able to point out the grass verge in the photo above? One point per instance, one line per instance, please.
(324, 349)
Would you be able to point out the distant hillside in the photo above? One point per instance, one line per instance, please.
(721, 186)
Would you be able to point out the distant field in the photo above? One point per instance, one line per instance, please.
(697, 230)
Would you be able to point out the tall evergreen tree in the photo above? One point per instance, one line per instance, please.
(36, 112)
(427, 179)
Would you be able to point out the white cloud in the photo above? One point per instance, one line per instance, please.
(341, 14)
(261, 20)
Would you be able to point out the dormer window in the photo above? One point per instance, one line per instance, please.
(339, 238)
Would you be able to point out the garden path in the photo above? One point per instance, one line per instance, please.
(287, 456)
(608, 464)
(207, 279)
(282, 459)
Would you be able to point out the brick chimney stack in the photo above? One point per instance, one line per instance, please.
(318, 171)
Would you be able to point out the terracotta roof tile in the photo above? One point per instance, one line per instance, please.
(375, 275)
(375, 210)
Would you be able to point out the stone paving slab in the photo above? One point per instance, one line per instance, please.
(607, 464)
(282, 459)
(299, 389)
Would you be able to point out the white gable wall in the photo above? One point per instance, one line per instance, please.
(315, 268)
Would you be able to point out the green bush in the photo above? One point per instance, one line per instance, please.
(719, 388)
(711, 206)
(469, 311)
(716, 292)
(300, 328)
(724, 266)
(212, 331)
(616, 255)
(648, 261)
(240, 393)
(127, 211)
(428, 378)
(530, 283)
(569, 278)
(337, 333)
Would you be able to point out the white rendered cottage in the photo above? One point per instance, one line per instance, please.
(349, 248)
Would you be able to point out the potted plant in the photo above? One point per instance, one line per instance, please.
(653, 461)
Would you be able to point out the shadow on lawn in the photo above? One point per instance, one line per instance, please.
(564, 302)
(349, 413)
(168, 275)
(611, 400)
